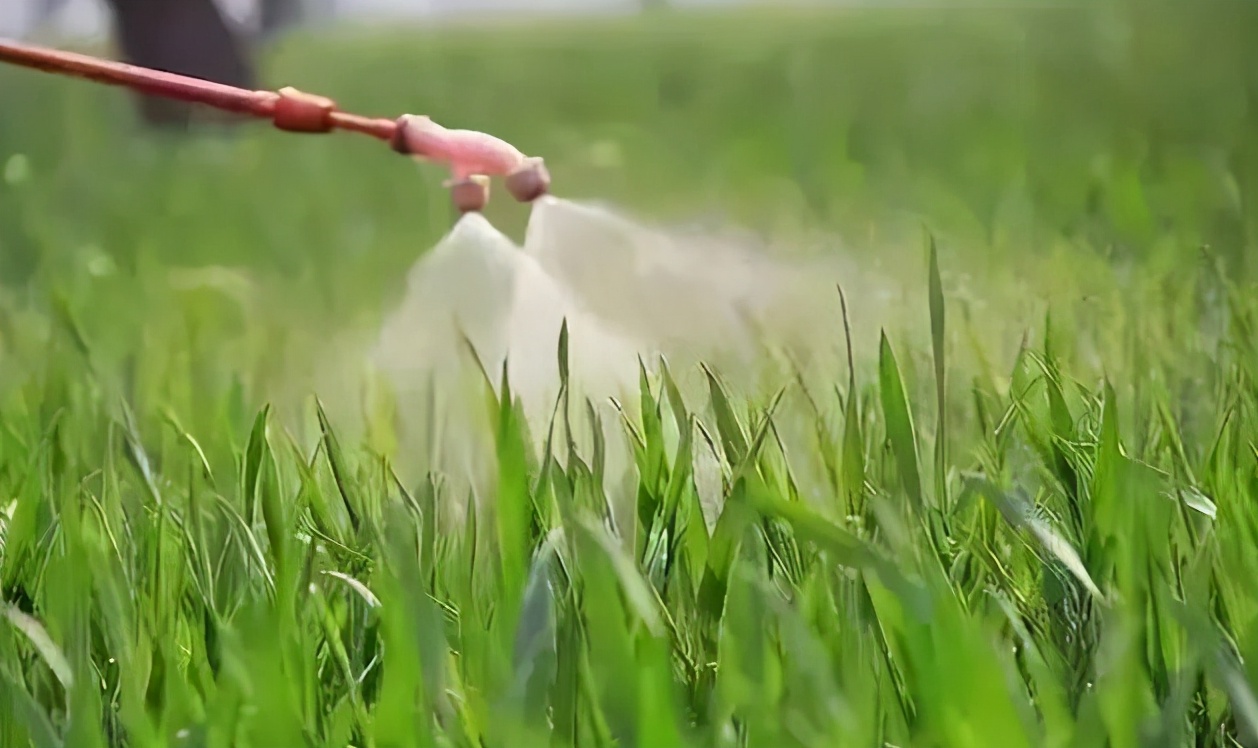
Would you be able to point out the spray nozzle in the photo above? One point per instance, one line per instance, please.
(472, 156)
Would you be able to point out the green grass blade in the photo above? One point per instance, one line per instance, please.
(899, 423)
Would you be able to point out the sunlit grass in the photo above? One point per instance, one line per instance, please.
(1051, 550)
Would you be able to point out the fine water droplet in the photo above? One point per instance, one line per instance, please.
(17, 169)
(607, 154)
(98, 262)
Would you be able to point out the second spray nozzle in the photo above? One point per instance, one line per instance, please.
(473, 157)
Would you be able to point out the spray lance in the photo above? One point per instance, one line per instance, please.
(472, 157)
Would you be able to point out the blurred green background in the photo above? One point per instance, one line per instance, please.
(1102, 157)
(1126, 125)
(1059, 143)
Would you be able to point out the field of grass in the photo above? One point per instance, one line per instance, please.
(1052, 550)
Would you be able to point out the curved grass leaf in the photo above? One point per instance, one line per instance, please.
(899, 423)
(941, 387)
(1019, 513)
(48, 650)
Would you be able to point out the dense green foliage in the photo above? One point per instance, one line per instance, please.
(1056, 550)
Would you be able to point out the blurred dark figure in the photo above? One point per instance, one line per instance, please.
(275, 16)
(188, 37)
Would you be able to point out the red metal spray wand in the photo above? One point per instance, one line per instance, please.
(472, 157)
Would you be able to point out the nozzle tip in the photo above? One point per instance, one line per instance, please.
(470, 195)
(529, 182)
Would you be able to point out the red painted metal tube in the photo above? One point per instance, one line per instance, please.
(289, 109)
